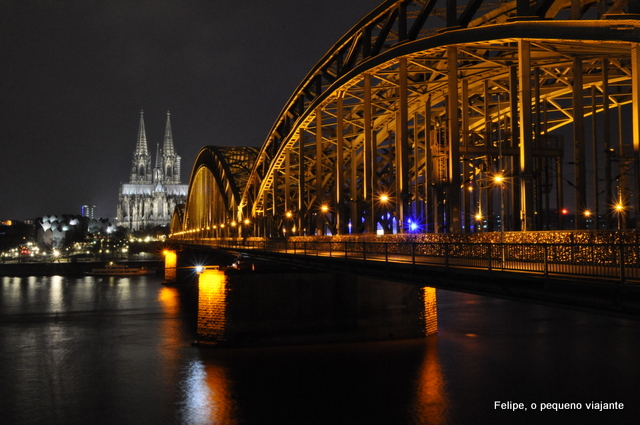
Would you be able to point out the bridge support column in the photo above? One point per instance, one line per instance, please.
(402, 150)
(453, 183)
(579, 157)
(526, 138)
(170, 266)
(182, 263)
(254, 309)
(320, 201)
(339, 207)
(287, 191)
(606, 141)
(302, 211)
(467, 214)
(369, 156)
(635, 88)
(514, 222)
(429, 198)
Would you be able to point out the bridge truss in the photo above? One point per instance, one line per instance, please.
(433, 118)
(217, 177)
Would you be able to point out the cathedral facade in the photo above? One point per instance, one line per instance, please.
(153, 191)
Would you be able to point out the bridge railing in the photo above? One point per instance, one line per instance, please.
(609, 261)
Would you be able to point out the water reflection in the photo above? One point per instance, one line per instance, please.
(125, 356)
(172, 331)
(56, 295)
(206, 396)
(431, 403)
(169, 299)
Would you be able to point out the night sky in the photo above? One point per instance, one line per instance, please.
(76, 73)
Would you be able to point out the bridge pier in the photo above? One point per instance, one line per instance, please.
(170, 266)
(182, 262)
(299, 307)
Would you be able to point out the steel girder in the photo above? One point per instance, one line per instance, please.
(410, 116)
(217, 177)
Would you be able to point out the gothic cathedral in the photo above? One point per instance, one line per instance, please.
(148, 200)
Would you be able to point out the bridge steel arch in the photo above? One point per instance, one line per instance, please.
(412, 117)
(211, 210)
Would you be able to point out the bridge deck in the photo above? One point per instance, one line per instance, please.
(604, 263)
(594, 277)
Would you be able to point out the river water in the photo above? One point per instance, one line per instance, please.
(118, 351)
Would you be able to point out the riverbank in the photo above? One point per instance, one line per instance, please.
(69, 268)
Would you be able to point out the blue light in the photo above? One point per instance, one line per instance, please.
(413, 226)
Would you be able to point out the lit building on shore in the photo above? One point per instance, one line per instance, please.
(87, 211)
(150, 196)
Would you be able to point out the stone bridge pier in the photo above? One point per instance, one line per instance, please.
(183, 263)
(280, 307)
(274, 304)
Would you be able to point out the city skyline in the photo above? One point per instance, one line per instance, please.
(80, 72)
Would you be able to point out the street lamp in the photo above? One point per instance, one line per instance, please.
(479, 219)
(587, 215)
(619, 209)
(499, 180)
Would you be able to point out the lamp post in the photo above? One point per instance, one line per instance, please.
(479, 219)
(499, 180)
(324, 209)
(383, 200)
(619, 208)
(587, 215)
(288, 221)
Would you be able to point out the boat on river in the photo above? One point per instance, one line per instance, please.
(114, 269)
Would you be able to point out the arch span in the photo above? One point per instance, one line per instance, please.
(432, 118)
(218, 175)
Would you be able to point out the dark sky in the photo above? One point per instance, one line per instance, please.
(74, 75)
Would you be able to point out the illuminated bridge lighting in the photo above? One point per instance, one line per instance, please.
(410, 107)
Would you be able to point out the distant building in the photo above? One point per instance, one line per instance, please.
(56, 231)
(87, 211)
(59, 231)
(150, 196)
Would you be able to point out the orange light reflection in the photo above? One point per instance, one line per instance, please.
(207, 398)
(431, 399)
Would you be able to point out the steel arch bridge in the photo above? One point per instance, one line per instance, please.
(430, 117)
(217, 178)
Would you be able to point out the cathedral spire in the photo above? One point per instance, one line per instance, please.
(152, 193)
(158, 161)
(167, 147)
(141, 164)
(141, 146)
